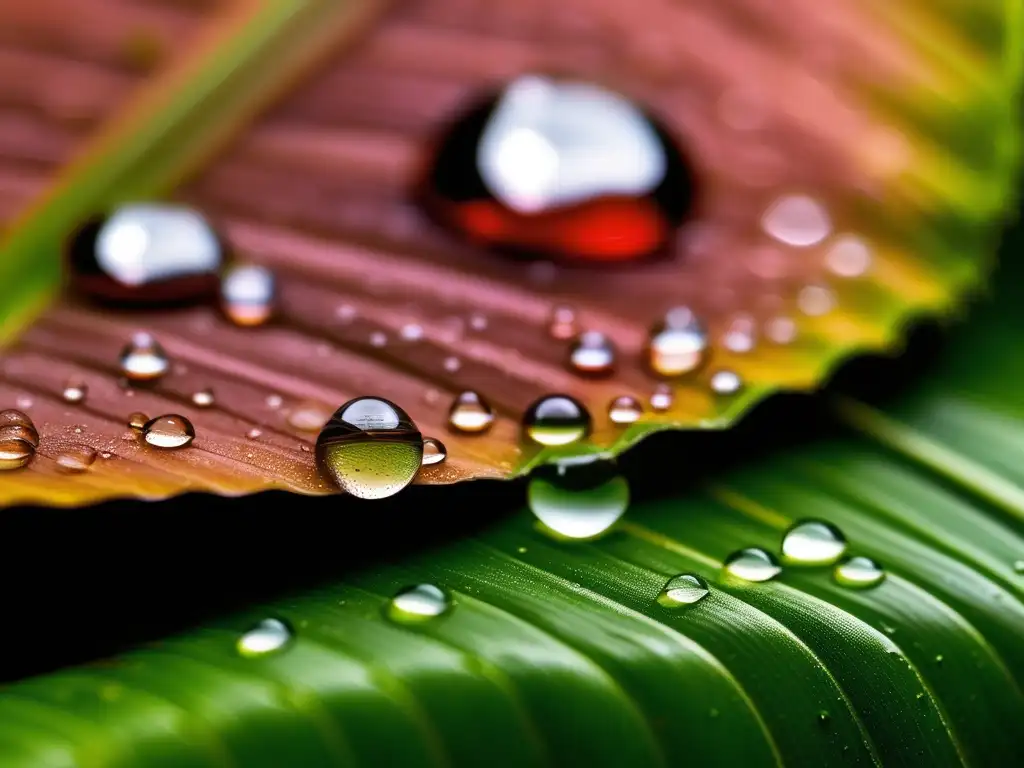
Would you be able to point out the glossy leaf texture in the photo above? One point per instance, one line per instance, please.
(894, 130)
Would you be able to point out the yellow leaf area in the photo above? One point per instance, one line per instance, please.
(852, 162)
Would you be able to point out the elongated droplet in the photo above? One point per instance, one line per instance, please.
(169, 431)
(370, 448)
(578, 498)
(267, 637)
(143, 359)
(556, 420)
(684, 589)
(309, 416)
(15, 453)
(624, 410)
(248, 293)
(75, 391)
(26, 431)
(726, 383)
(76, 458)
(752, 564)
(813, 542)
(138, 420)
(678, 345)
(418, 603)
(203, 398)
(562, 323)
(470, 413)
(434, 451)
(859, 572)
(592, 354)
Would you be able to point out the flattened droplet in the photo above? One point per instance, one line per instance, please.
(726, 382)
(683, 590)
(12, 418)
(143, 359)
(203, 398)
(797, 220)
(248, 294)
(625, 410)
(76, 458)
(417, 603)
(678, 345)
(267, 637)
(75, 391)
(579, 498)
(309, 416)
(859, 572)
(169, 431)
(434, 451)
(813, 542)
(15, 453)
(751, 564)
(556, 420)
(470, 413)
(592, 354)
(662, 398)
(138, 420)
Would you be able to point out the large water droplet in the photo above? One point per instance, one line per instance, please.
(684, 589)
(813, 542)
(592, 354)
(146, 253)
(859, 572)
(370, 448)
(678, 344)
(418, 603)
(309, 416)
(75, 391)
(751, 564)
(17, 424)
(248, 293)
(556, 420)
(267, 637)
(169, 431)
(434, 451)
(138, 420)
(15, 453)
(578, 498)
(203, 398)
(143, 359)
(797, 220)
(76, 458)
(624, 410)
(470, 413)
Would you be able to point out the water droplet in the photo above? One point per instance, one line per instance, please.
(75, 391)
(346, 313)
(267, 637)
(740, 335)
(143, 359)
(470, 412)
(477, 322)
(1018, 566)
(418, 603)
(578, 498)
(138, 420)
(678, 344)
(169, 431)
(939, 658)
(662, 398)
(797, 220)
(14, 452)
(203, 398)
(76, 458)
(824, 718)
(434, 451)
(556, 420)
(248, 293)
(813, 542)
(274, 402)
(309, 416)
(684, 589)
(726, 383)
(592, 354)
(147, 254)
(411, 332)
(24, 402)
(752, 564)
(370, 448)
(562, 322)
(859, 572)
(378, 339)
(254, 434)
(18, 425)
(781, 330)
(624, 410)
(815, 300)
(848, 256)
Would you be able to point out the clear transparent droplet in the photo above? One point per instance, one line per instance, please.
(138, 420)
(678, 344)
(625, 410)
(662, 398)
(556, 420)
(797, 220)
(417, 603)
(726, 383)
(169, 431)
(248, 294)
(75, 391)
(267, 637)
(470, 413)
(859, 572)
(592, 354)
(143, 359)
(309, 416)
(578, 498)
(203, 398)
(752, 564)
(15, 453)
(813, 542)
(562, 323)
(684, 589)
(434, 451)
(76, 458)
(17, 424)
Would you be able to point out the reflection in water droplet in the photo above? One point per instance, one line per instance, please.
(470, 413)
(813, 542)
(370, 448)
(815, 300)
(662, 398)
(556, 420)
(859, 572)
(137, 420)
(751, 564)
(75, 391)
(248, 293)
(797, 220)
(169, 431)
(16, 424)
(309, 416)
(726, 383)
(678, 344)
(143, 359)
(434, 451)
(14, 452)
(578, 498)
(562, 323)
(203, 398)
(740, 335)
(624, 410)
(418, 603)
(592, 354)
(76, 458)
(848, 256)
(266, 637)
(684, 589)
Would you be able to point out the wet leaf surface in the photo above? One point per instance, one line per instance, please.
(835, 201)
